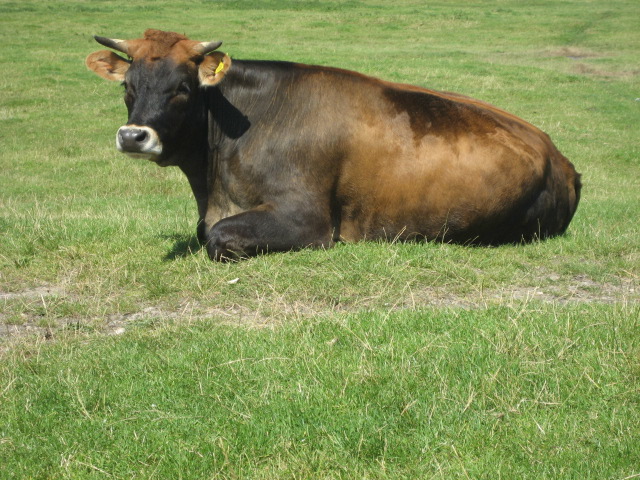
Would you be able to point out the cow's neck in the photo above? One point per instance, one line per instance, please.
(191, 157)
(246, 93)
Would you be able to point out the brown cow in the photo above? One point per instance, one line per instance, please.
(283, 155)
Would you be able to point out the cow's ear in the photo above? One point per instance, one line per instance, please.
(108, 65)
(213, 68)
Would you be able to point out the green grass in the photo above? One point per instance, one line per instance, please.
(126, 353)
(446, 393)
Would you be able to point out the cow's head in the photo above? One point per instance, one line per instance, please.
(162, 77)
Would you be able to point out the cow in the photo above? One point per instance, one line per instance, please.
(282, 156)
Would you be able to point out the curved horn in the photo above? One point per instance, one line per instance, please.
(119, 45)
(206, 47)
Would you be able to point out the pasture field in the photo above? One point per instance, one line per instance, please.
(125, 353)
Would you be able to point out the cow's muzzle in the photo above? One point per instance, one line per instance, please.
(139, 142)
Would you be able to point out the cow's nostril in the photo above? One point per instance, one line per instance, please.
(141, 135)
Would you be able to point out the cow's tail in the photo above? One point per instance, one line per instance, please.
(573, 185)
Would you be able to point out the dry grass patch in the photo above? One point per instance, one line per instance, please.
(573, 52)
(35, 322)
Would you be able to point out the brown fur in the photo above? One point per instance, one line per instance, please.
(292, 155)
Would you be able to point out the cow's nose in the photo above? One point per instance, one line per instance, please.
(133, 139)
(139, 141)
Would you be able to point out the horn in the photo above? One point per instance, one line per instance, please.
(119, 45)
(206, 47)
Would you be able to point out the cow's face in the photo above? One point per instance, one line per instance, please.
(162, 82)
(159, 96)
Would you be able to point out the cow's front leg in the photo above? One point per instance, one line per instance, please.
(265, 229)
(197, 175)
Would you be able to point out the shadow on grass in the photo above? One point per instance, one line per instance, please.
(183, 246)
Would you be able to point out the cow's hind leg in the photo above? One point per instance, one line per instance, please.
(265, 229)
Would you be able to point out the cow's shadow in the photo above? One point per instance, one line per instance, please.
(183, 246)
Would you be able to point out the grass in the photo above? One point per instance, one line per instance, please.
(411, 394)
(126, 353)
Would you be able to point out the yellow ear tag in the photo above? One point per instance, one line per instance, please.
(220, 67)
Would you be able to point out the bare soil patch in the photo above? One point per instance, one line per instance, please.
(581, 289)
(37, 292)
(585, 69)
(579, 55)
(573, 53)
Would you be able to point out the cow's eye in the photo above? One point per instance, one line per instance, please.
(129, 91)
(183, 89)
